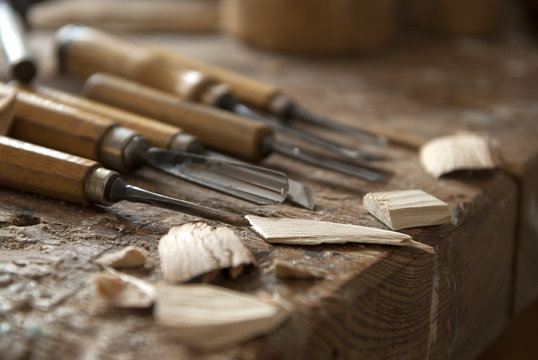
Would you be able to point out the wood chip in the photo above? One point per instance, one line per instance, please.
(313, 232)
(407, 208)
(295, 270)
(123, 291)
(208, 317)
(457, 152)
(125, 258)
(195, 249)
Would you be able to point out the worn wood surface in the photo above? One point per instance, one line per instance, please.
(375, 301)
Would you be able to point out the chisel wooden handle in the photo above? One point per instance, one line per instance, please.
(43, 171)
(84, 51)
(247, 89)
(48, 123)
(159, 134)
(217, 129)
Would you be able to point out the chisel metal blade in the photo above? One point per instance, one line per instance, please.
(248, 182)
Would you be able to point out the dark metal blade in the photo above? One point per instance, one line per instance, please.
(342, 150)
(311, 118)
(308, 157)
(248, 182)
(121, 191)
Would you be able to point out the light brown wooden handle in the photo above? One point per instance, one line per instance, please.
(48, 123)
(84, 51)
(39, 170)
(217, 129)
(245, 88)
(159, 134)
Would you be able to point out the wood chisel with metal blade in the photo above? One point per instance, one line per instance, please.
(161, 135)
(39, 170)
(62, 127)
(61, 176)
(83, 51)
(217, 129)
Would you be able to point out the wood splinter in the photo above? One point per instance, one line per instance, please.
(197, 249)
(407, 208)
(125, 258)
(114, 289)
(209, 317)
(465, 151)
(314, 232)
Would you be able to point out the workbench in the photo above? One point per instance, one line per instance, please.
(377, 301)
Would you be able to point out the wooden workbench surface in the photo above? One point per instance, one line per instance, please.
(377, 302)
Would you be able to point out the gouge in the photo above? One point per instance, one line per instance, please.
(83, 51)
(160, 135)
(51, 124)
(13, 44)
(216, 129)
(36, 169)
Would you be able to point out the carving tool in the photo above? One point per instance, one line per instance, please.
(14, 46)
(161, 135)
(83, 51)
(62, 127)
(36, 169)
(217, 129)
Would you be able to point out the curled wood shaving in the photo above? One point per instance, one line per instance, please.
(465, 151)
(196, 249)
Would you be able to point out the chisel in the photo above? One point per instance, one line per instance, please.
(62, 127)
(217, 129)
(83, 51)
(13, 45)
(160, 134)
(61, 176)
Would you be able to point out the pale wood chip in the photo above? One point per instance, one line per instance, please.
(195, 249)
(407, 208)
(464, 151)
(314, 232)
(209, 317)
(295, 270)
(113, 290)
(125, 258)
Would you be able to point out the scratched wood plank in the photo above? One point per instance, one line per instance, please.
(375, 301)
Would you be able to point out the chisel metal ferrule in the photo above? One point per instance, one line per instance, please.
(281, 105)
(187, 143)
(123, 149)
(98, 185)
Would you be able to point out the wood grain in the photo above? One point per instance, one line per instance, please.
(215, 128)
(158, 133)
(6, 111)
(86, 51)
(39, 170)
(51, 124)
(407, 208)
(376, 302)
